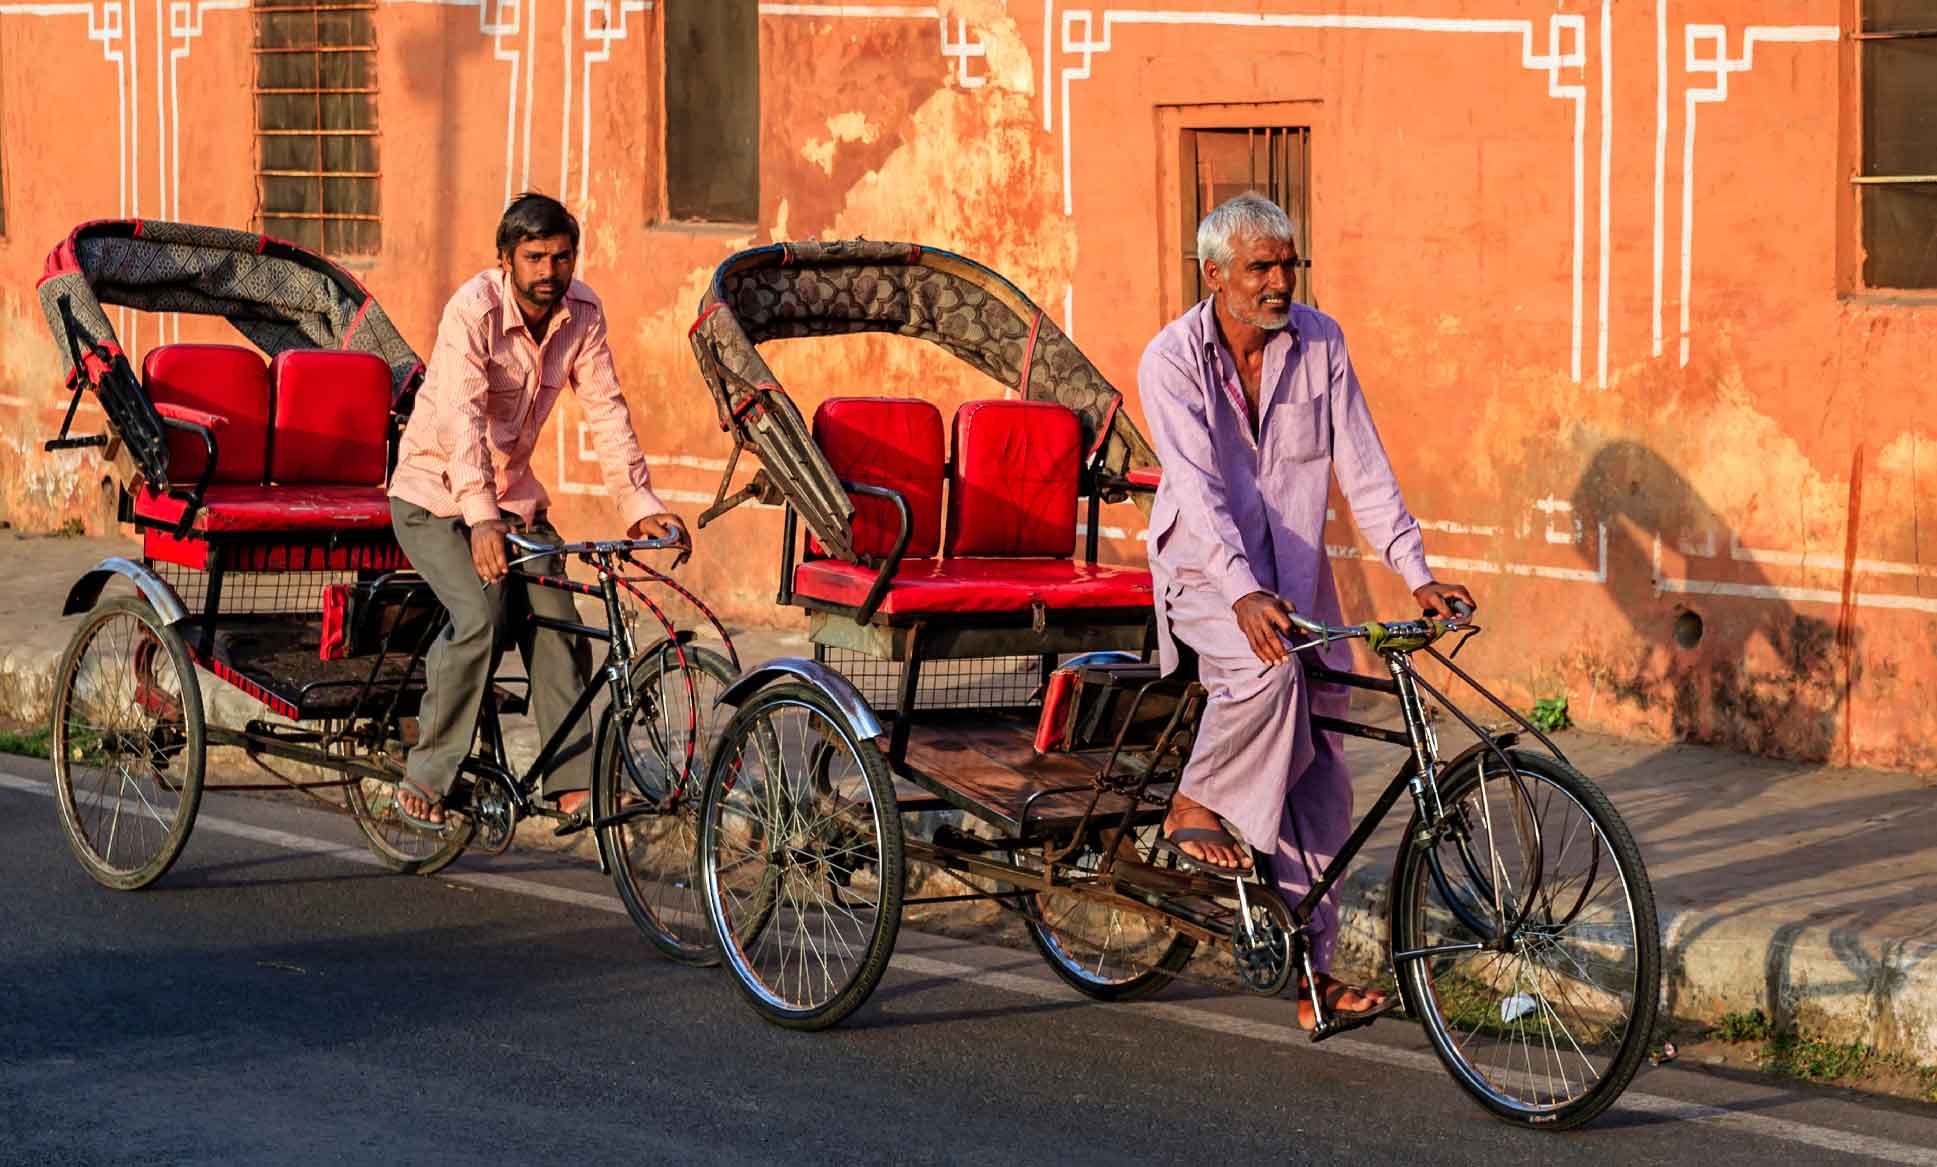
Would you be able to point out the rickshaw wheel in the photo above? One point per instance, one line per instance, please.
(800, 858)
(128, 745)
(654, 858)
(1103, 951)
(402, 848)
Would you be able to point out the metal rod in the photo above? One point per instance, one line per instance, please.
(1894, 179)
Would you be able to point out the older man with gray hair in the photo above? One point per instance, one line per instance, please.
(1253, 407)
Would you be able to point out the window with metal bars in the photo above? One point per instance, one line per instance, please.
(1897, 179)
(316, 124)
(1220, 164)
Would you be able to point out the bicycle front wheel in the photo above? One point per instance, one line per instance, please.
(1524, 939)
(660, 758)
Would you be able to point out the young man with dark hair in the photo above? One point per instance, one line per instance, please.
(512, 338)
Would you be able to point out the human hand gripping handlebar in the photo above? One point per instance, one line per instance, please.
(1397, 636)
(539, 549)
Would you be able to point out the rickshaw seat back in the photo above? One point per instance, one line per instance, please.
(1017, 465)
(895, 442)
(226, 380)
(331, 412)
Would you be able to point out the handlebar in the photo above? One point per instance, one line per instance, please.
(538, 549)
(1398, 636)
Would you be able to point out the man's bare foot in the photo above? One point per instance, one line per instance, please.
(1189, 814)
(1340, 999)
(572, 801)
(419, 808)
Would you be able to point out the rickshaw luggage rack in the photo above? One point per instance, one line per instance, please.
(921, 552)
(258, 493)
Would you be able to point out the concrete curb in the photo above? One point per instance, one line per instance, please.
(1836, 983)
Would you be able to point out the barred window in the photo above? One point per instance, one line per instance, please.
(316, 124)
(1219, 164)
(1897, 184)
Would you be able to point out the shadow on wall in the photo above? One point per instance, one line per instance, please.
(1747, 672)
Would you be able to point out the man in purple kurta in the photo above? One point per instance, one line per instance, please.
(1253, 408)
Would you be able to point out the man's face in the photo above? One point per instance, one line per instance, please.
(1256, 288)
(541, 270)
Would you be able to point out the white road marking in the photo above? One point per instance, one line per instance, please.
(1044, 988)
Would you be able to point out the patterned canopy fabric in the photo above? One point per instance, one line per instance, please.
(276, 294)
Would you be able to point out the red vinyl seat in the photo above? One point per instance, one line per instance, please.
(226, 381)
(982, 586)
(1011, 516)
(301, 445)
(233, 509)
(331, 417)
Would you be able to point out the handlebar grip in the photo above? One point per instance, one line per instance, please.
(1461, 609)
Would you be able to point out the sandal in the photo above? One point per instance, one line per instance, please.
(1215, 836)
(429, 826)
(1339, 1020)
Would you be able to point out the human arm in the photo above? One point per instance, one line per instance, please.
(622, 464)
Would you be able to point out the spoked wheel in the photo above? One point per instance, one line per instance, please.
(658, 764)
(1525, 940)
(128, 745)
(1103, 949)
(800, 858)
(402, 847)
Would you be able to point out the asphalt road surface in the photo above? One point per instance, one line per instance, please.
(279, 999)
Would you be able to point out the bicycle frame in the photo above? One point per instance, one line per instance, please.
(1150, 890)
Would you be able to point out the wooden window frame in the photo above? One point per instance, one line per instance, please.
(1175, 236)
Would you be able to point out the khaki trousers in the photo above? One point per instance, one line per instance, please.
(483, 620)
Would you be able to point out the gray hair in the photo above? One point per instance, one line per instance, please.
(1249, 214)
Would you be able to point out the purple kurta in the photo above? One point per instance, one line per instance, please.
(1234, 516)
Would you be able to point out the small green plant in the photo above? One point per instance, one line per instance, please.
(72, 528)
(32, 744)
(1750, 1026)
(1817, 1061)
(1550, 713)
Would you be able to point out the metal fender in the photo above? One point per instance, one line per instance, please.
(86, 591)
(835, 687)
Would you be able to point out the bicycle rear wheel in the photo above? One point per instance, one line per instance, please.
(403, 848)
(1524, 939)
(1101, 949)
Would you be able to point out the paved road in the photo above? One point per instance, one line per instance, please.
(277, 999)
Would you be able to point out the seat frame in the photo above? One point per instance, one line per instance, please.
(915, 638)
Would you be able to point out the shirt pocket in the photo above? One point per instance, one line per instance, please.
(504, 402)
(1301, 431)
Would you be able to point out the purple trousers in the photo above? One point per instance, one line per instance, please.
(1257, 762)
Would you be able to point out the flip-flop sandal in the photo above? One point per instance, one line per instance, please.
(582, 817)
(1167, 843)
(1339, 1020)
(428, 826)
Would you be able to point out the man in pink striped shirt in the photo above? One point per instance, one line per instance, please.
(512, 338)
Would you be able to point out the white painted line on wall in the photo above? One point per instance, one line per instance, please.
(1719, 66)
(1089, 44)
(1661, 156)
(1606, 64)
(862, 11)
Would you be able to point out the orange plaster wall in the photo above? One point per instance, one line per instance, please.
(1773, 484)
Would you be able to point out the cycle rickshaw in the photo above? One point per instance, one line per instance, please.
(257, 489)
(968, 662)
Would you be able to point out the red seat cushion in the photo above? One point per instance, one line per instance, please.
(1016, 466)
(981, 585)
(894, 442)
(224, 379)
(275, 508)
(332, 413)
